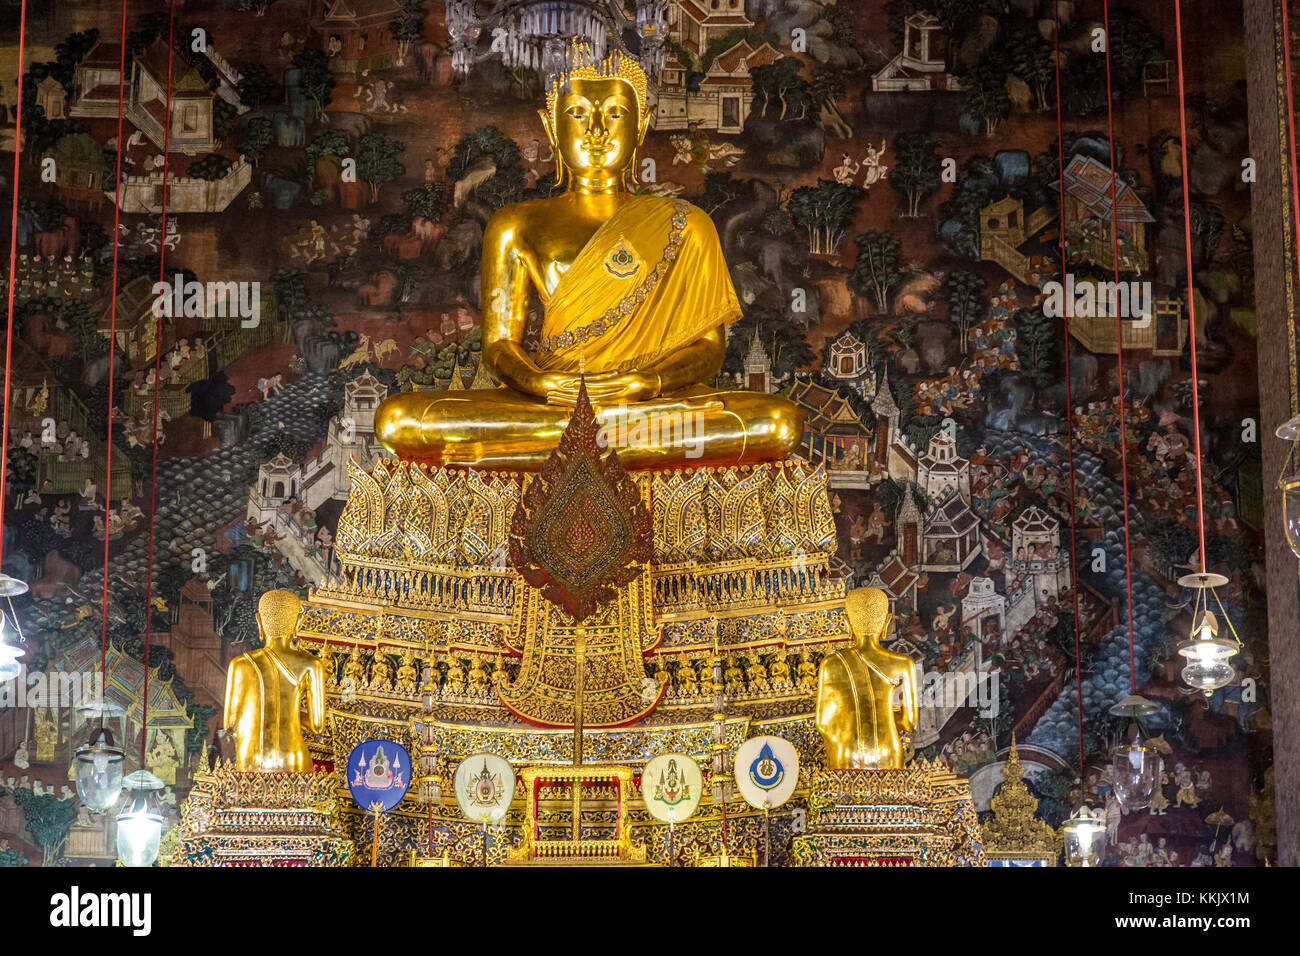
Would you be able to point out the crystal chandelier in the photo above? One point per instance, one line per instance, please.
(538, 34)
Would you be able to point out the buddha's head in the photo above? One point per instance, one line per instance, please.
(277, 617)
(868, 613)
(596, 117)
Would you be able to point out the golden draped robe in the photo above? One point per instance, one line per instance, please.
(651, 279)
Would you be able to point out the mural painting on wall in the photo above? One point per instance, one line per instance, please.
(888, 183)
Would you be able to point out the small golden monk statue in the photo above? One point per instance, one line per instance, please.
(865, 692)
(635, 294)
(266, 689)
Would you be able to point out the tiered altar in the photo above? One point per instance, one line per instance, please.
(603, 561)
(741, 571)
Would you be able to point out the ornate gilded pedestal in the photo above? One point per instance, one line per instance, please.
(249, 818)
(740, 569)
(554, 837)
(918, 816)
(1015, 836)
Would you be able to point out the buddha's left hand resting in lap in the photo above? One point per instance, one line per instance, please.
(636, 297)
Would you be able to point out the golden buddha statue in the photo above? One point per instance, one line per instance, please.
(636, 296)
(860, 689)
(266, 689)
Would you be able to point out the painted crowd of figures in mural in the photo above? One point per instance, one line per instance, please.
(887, 180)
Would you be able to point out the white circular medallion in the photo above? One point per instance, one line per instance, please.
(485, 785)
(767, 769)
(671, 785)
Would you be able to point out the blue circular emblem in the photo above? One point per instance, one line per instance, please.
(378, 771)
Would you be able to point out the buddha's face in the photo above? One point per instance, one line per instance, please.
(596, 127)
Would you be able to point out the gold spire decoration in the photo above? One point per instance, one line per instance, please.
(457, 383)
(1014, 832)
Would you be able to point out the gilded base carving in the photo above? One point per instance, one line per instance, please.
(921, 815)
(249, 818)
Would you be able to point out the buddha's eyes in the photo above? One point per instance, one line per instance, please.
(577, 112)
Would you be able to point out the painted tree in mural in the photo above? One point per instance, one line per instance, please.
(876, 271)
(48, 820)
(1033, 60)
(317, 79)
(428, 201)
(825, 211)
(916, 172)
(211, 167)
(1133, 44)
(1037, 345)
(377, 161)
(986, 92)
(780, 93)
(827, 89)
(719, 189)
(964, 303)
(257, 140)
(254, 84)
(486, 141)
(405, 27)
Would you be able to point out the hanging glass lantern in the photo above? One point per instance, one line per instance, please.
(1208, 655)
(1289, 482)
(99, 770)
(10, 654)
(1135, 766)
(139, 822)
(11, 587)
(1083, 834)
(11, 647)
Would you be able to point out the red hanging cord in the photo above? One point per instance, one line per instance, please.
(1290, 127)
(1191, 294)
(112, 343)
(13, 267)
(1119, 350)
(1069, 407)
(157, 379)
